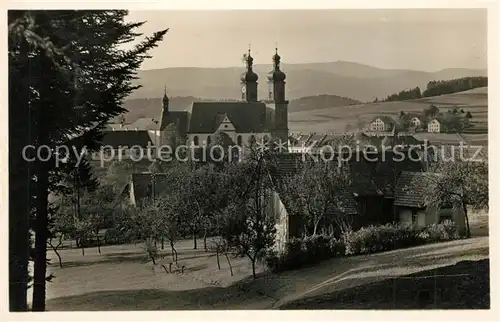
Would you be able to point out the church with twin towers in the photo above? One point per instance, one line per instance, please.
(241, 120)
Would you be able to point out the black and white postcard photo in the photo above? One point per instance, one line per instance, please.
(180, 160)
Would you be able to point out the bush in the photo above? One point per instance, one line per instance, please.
(113, 236)
(308, 250)
(446, 230)
(303, 251)
(374, 239)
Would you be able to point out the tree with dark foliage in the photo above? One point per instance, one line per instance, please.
(67, 78)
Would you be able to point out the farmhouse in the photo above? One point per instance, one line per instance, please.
(415, 121)
(381, 124)
(434, 126)
(369, 200)
(410, 206)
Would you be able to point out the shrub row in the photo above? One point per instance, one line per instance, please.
(309, 250)
(302, 251)
(373, 239)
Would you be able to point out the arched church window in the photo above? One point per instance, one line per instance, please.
(252, 139)
(209, 140)
(238, 140)
(266, 139)
(195, 140)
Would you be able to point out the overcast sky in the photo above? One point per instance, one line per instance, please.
(426, 39)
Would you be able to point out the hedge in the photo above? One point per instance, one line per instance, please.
(312, 249)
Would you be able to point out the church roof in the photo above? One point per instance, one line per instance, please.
(117, 139)
(177, 117)
(247, 117)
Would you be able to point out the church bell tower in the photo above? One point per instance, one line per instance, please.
(276, 81)
(164, 111)
(249, 81)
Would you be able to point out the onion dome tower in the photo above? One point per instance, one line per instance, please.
(249, 81)
(276, 81)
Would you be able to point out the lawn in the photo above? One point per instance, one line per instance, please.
(121, 279)
(464, 285)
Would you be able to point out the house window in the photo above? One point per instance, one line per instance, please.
(443, 218)
(195, 140)
(238, 140)
(414, 217)
(225, 126)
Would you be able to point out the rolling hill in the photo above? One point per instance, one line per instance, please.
(151, 107)
(347, 79)
(347, 118)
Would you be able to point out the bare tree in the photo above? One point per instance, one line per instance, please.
(247, 222)
(318, 186)
(458, 179)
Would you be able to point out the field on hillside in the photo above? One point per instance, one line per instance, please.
(345, 118)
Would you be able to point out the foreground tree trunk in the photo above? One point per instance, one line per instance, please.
(253, 267)
(174, 252)
(217, 255)
(195, 244)
(41, 234)
(98, 242)
(205, 240)
(229, 263)
(467, 227)
(19, 178)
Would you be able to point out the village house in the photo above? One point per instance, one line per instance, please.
(411, 208)
(369, 200)
(381, 124)
(434, 126)
(415, 121)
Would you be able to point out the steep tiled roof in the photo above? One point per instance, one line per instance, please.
(142, 124)
(410, 189)
(385, 118)
(247, 117)
(145, 123)
(288, 164)
(349, 206)
(129, 138)
(180, 118)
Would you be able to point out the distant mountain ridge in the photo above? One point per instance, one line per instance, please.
(345, 79)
